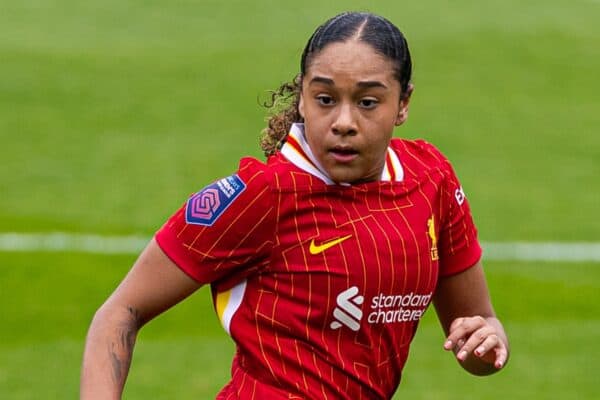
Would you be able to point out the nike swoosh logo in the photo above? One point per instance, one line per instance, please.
(314, 249)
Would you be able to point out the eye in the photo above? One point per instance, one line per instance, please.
(368, 103)
(325, 100)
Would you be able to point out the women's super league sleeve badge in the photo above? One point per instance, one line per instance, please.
(205, 207)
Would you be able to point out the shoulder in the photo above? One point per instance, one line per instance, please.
(255, 173)
(250, 167)
(286, 176)
(235, 192)
(418, 150)
(277, 174)
(419, 156)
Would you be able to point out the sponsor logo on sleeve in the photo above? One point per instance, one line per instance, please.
(459, 195)
(206, 206)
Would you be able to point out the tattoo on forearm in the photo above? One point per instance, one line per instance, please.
(120, 351)
(117, 365)
(129, 330)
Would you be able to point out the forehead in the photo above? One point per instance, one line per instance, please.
(351, 61)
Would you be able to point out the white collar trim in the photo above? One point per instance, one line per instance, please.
(298, 152)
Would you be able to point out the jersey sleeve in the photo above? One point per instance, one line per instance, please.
(458, 245)
(224, 229)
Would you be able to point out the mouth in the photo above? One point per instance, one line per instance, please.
(343, 154)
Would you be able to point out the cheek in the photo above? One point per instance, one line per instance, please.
(318, 142)
(316, 126)
(381, 140)
(314, 136)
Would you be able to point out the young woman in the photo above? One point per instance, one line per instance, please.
(323, 259)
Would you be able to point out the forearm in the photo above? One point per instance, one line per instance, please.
(108, 352)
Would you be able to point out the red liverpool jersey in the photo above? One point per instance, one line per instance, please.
(321, 286)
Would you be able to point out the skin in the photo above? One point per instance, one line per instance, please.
(153, 285)
(351, 103)
(473, 332)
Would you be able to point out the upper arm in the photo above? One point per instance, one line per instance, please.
(226, 230)
(153, 285)
(462, 295)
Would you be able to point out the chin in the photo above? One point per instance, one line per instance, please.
(347, 177)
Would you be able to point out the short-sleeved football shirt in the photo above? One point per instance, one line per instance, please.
(321, 285)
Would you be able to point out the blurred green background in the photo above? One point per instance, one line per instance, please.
(112, 113)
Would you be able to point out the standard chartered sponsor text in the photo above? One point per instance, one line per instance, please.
(398, 308)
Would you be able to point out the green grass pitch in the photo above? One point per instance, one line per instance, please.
(112, 113)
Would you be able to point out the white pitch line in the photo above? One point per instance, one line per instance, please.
(542, 251)
(67, 242)
(98, 244)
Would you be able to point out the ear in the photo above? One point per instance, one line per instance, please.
(301, 105)
(403, 106)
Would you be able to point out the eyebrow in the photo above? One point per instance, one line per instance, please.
(370, 84)
(361, 84)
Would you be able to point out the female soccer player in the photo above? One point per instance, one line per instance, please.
(323, 259)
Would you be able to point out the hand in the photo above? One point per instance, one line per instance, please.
(478, 336)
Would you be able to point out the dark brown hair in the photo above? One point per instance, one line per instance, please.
(378, 32)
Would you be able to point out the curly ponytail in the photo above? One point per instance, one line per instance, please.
(283, 112)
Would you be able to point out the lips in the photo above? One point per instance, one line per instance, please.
(343, 154)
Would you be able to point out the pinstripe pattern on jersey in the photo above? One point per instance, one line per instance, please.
(456, 231)
(250, 207)
(225, 246)
(350, 218)
(286, 347)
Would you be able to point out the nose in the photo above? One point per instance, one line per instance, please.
(345, 121)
